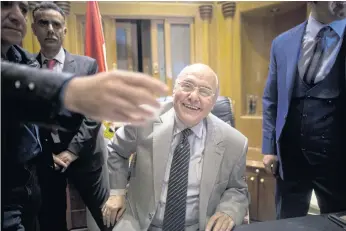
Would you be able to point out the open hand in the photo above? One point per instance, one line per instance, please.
(220, 222)
(116, 96)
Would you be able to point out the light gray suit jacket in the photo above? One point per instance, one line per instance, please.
(222, 187)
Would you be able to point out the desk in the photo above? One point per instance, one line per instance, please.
(308, 223)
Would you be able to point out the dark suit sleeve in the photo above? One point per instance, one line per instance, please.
(270, 97)
(31, 95)
(88, 131)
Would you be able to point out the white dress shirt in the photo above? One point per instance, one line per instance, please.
(197, 145)
(59, 64)
(60, 59)
(334, 39)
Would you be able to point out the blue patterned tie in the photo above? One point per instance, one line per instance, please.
(175, 211)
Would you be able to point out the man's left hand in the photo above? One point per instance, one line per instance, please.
(220, 222)
(67, 157)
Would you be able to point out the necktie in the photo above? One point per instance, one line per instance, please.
(175, 211)
(317, 57)
(54, 132)
(51, 64)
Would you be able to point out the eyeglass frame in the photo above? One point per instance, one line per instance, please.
(194, 88)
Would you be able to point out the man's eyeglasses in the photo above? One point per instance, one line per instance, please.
(189, 87)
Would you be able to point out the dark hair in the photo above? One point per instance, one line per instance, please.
(47, 6)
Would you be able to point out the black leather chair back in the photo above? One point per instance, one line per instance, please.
(223, 109)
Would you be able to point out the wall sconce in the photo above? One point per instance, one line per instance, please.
(228, 9)
(206, 12)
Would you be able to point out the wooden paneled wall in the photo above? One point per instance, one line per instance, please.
(225, 41)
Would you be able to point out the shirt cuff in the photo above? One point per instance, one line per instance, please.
(72, 153)
(269, 145)
(118, 192)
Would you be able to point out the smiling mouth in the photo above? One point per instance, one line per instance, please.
(191, 107)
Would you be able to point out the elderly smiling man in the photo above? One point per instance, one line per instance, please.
(189, 172)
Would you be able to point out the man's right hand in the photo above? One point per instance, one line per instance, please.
(115, 96)
(270, 163)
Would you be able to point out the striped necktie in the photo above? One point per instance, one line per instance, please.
(175, 211)
(317, 57)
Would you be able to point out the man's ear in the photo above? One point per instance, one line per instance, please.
(65, 30)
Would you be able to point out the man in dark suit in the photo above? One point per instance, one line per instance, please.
(304, 113)
(21, 144)
(33, 95)
(81, 152)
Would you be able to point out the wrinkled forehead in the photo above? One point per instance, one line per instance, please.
(201, 76)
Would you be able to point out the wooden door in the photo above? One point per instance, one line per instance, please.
(173, 47)
(252, 182)
(127, 47)
(266, 202)
(76, 209)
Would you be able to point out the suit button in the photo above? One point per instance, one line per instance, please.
(303, 149)
(31, 86)
(17, 84)
(301, 134)
(305, 115)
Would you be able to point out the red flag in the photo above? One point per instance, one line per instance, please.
(94, 39)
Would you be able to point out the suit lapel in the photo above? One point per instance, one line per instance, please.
(162, 139)
(69, 63)
(39, 59)
(292, 55)
(213, 154)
